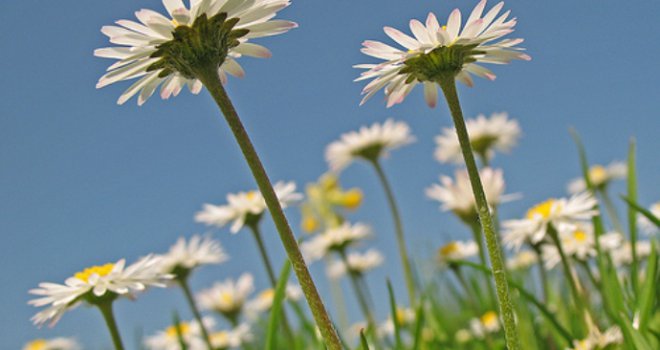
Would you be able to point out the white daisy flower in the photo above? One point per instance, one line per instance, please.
(486, 136)
(623, 254)
(597, 340)
(246, 208)
(436, 51)
(555, 212)
(368, 143)
(600, 176)
(233, 338)
(185, 256)
(404, 317)
(142, 49)
(94, 283)
(191, 333)
(358, 263)
(646, 225)
(264, 300)
(456, 250)
(486, 324)
(336, 238)
(456, 194)
(522, 260)
(53, 344)
(227, 297)
(576, 241)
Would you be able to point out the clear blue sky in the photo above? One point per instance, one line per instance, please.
(84, 181)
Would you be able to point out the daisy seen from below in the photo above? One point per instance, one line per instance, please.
(356, 263)
(600, 176)
(456, 251)
(233, 338)
(488, 323)
(191, 335)
(60, 343)
(556, 212)
(326, 203)
(577, 241)
(369, 143)
(404, 317)
(487, 135)
(151, 48)
(227, 297)
(437, 53)
(245, 208)
(334, 239)
(522, 260)
(264, 300)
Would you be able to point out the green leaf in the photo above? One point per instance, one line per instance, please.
(363, 340)
(632, 215)
(638, 340)
(647, 297)
(276, 310)
(395, 319)
(419, 324)
(642, 211)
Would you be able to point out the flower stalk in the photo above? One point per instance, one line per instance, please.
(363, 301)
(448, 85)
(209, 77)
(109, 317)
(183, 282)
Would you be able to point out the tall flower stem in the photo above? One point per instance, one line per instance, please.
(183, 282)
(542, 272)
(398, 226)
(363, 301)
(109, 317)
(448, 87)
(611, 210)
(209, 77)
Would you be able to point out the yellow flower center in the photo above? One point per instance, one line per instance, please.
(102, 270)
(580, 236)
(352, 199)
(267, 294)
(401, 316)
(227, 298)
(310, 224)
(220, 339)
(542, 209)
(251, 195)
(489, 319)
(38, 344)
(597, 175)
(444, 27)
(449, 249)
(171, 331)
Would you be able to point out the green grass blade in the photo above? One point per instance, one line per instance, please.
(363, 340)
(276, 310)
(419, 324)
(635, 337)
(642, 211)
(632, 215)
(395, 319)
(647, 298)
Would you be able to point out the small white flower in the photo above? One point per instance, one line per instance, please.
(576, 241)
(522, 260)
(456, 251)
(597, 340)
(623, 254)
(456, 194)
(358, 263)
(600, 176)
(486, 324)
(486, 136)
(556, 212)
(191, 333)
(243, 207)
(646, 225)
(369, 143)
(53, 344)
(227, 297)
(611, 241)
(139, 41)
(394, 74)
(264, 300)
(335, 238)
(233, 338)
(189, 255)
(95, 282)
(404, 317)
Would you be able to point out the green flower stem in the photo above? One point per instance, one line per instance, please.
(466, 287)
(109, 317)
(448, 87)
(611, 210)
(363, 301)
(183, 282)
(401, 242)
(542, 272)
(476, 234)
(209, 77)
(256, 232)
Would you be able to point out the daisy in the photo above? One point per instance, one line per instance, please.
(440, 52)
(623, 254)
(556, 212)
(600, 176)
(326, 200)
(368, 143)
(53, 344)
(227, 297)
(486, 136)
(96, 284)
(264, 300)
(456, 250)
(185, 256)
(486, 324)
(576, 241)
(337, 238)
(191, 334)
(160, 50)
(597, 340)
(646, 224)
(233, 338)
(456, 194)
(404, 318)
(358, 263)
(523, 260)
(245, 208)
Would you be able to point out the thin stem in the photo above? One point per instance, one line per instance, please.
(476, 234)
(109, 317)
(183, 282)
(398, 226)
(542, 272)
(492, 243)
(611, 210)
(590, 274)
(359, 292)
(209, 77)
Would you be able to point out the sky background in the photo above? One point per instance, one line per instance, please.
(84, 181)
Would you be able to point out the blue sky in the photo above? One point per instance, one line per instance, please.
(84, 181)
